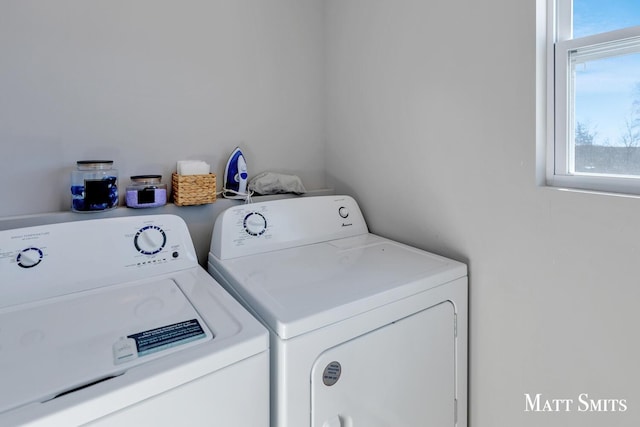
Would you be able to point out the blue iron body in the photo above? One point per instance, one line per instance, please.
(235, 176)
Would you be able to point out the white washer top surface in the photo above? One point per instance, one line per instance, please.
(68, 342)
(297, 290)
(55, 346)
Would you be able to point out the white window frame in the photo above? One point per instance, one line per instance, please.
(560, 149)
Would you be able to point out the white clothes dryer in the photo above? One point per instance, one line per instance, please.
(112, 322)
(365, 331)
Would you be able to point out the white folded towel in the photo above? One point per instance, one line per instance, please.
(193, 167)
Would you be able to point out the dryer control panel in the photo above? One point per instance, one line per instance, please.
(58, 259)
(263, 227)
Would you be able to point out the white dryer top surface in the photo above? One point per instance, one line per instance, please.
(301, 289)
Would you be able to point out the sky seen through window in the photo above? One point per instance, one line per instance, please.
(605, 89)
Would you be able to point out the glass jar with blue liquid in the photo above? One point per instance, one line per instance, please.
(94, 186)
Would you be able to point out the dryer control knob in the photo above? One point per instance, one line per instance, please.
(29, 257)
(150, 240)
(255, 224)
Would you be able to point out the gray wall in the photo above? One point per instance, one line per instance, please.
(148, 82)
(432, 126)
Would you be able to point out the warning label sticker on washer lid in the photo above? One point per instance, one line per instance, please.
(169, 336)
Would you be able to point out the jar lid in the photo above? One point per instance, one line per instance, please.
(95, 162)
(146, 178)
(94, 165)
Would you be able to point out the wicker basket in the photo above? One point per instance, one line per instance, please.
(191, 190)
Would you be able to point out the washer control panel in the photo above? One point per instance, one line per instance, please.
(262, 227)
(56, 259)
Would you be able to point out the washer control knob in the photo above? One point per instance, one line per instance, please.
(29, 257)
(343, 212)
(150, 240)
(255, 224)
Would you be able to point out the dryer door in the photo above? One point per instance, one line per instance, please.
(400, 375)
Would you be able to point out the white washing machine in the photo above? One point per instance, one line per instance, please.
(364, 331)
(112, 322)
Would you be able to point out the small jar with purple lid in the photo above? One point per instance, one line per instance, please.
(146, 191)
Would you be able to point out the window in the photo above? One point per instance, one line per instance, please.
(595, 87)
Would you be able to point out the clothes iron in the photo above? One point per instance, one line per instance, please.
(235, 177)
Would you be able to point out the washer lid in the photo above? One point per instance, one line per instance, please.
(54, 346)
(301, 289)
